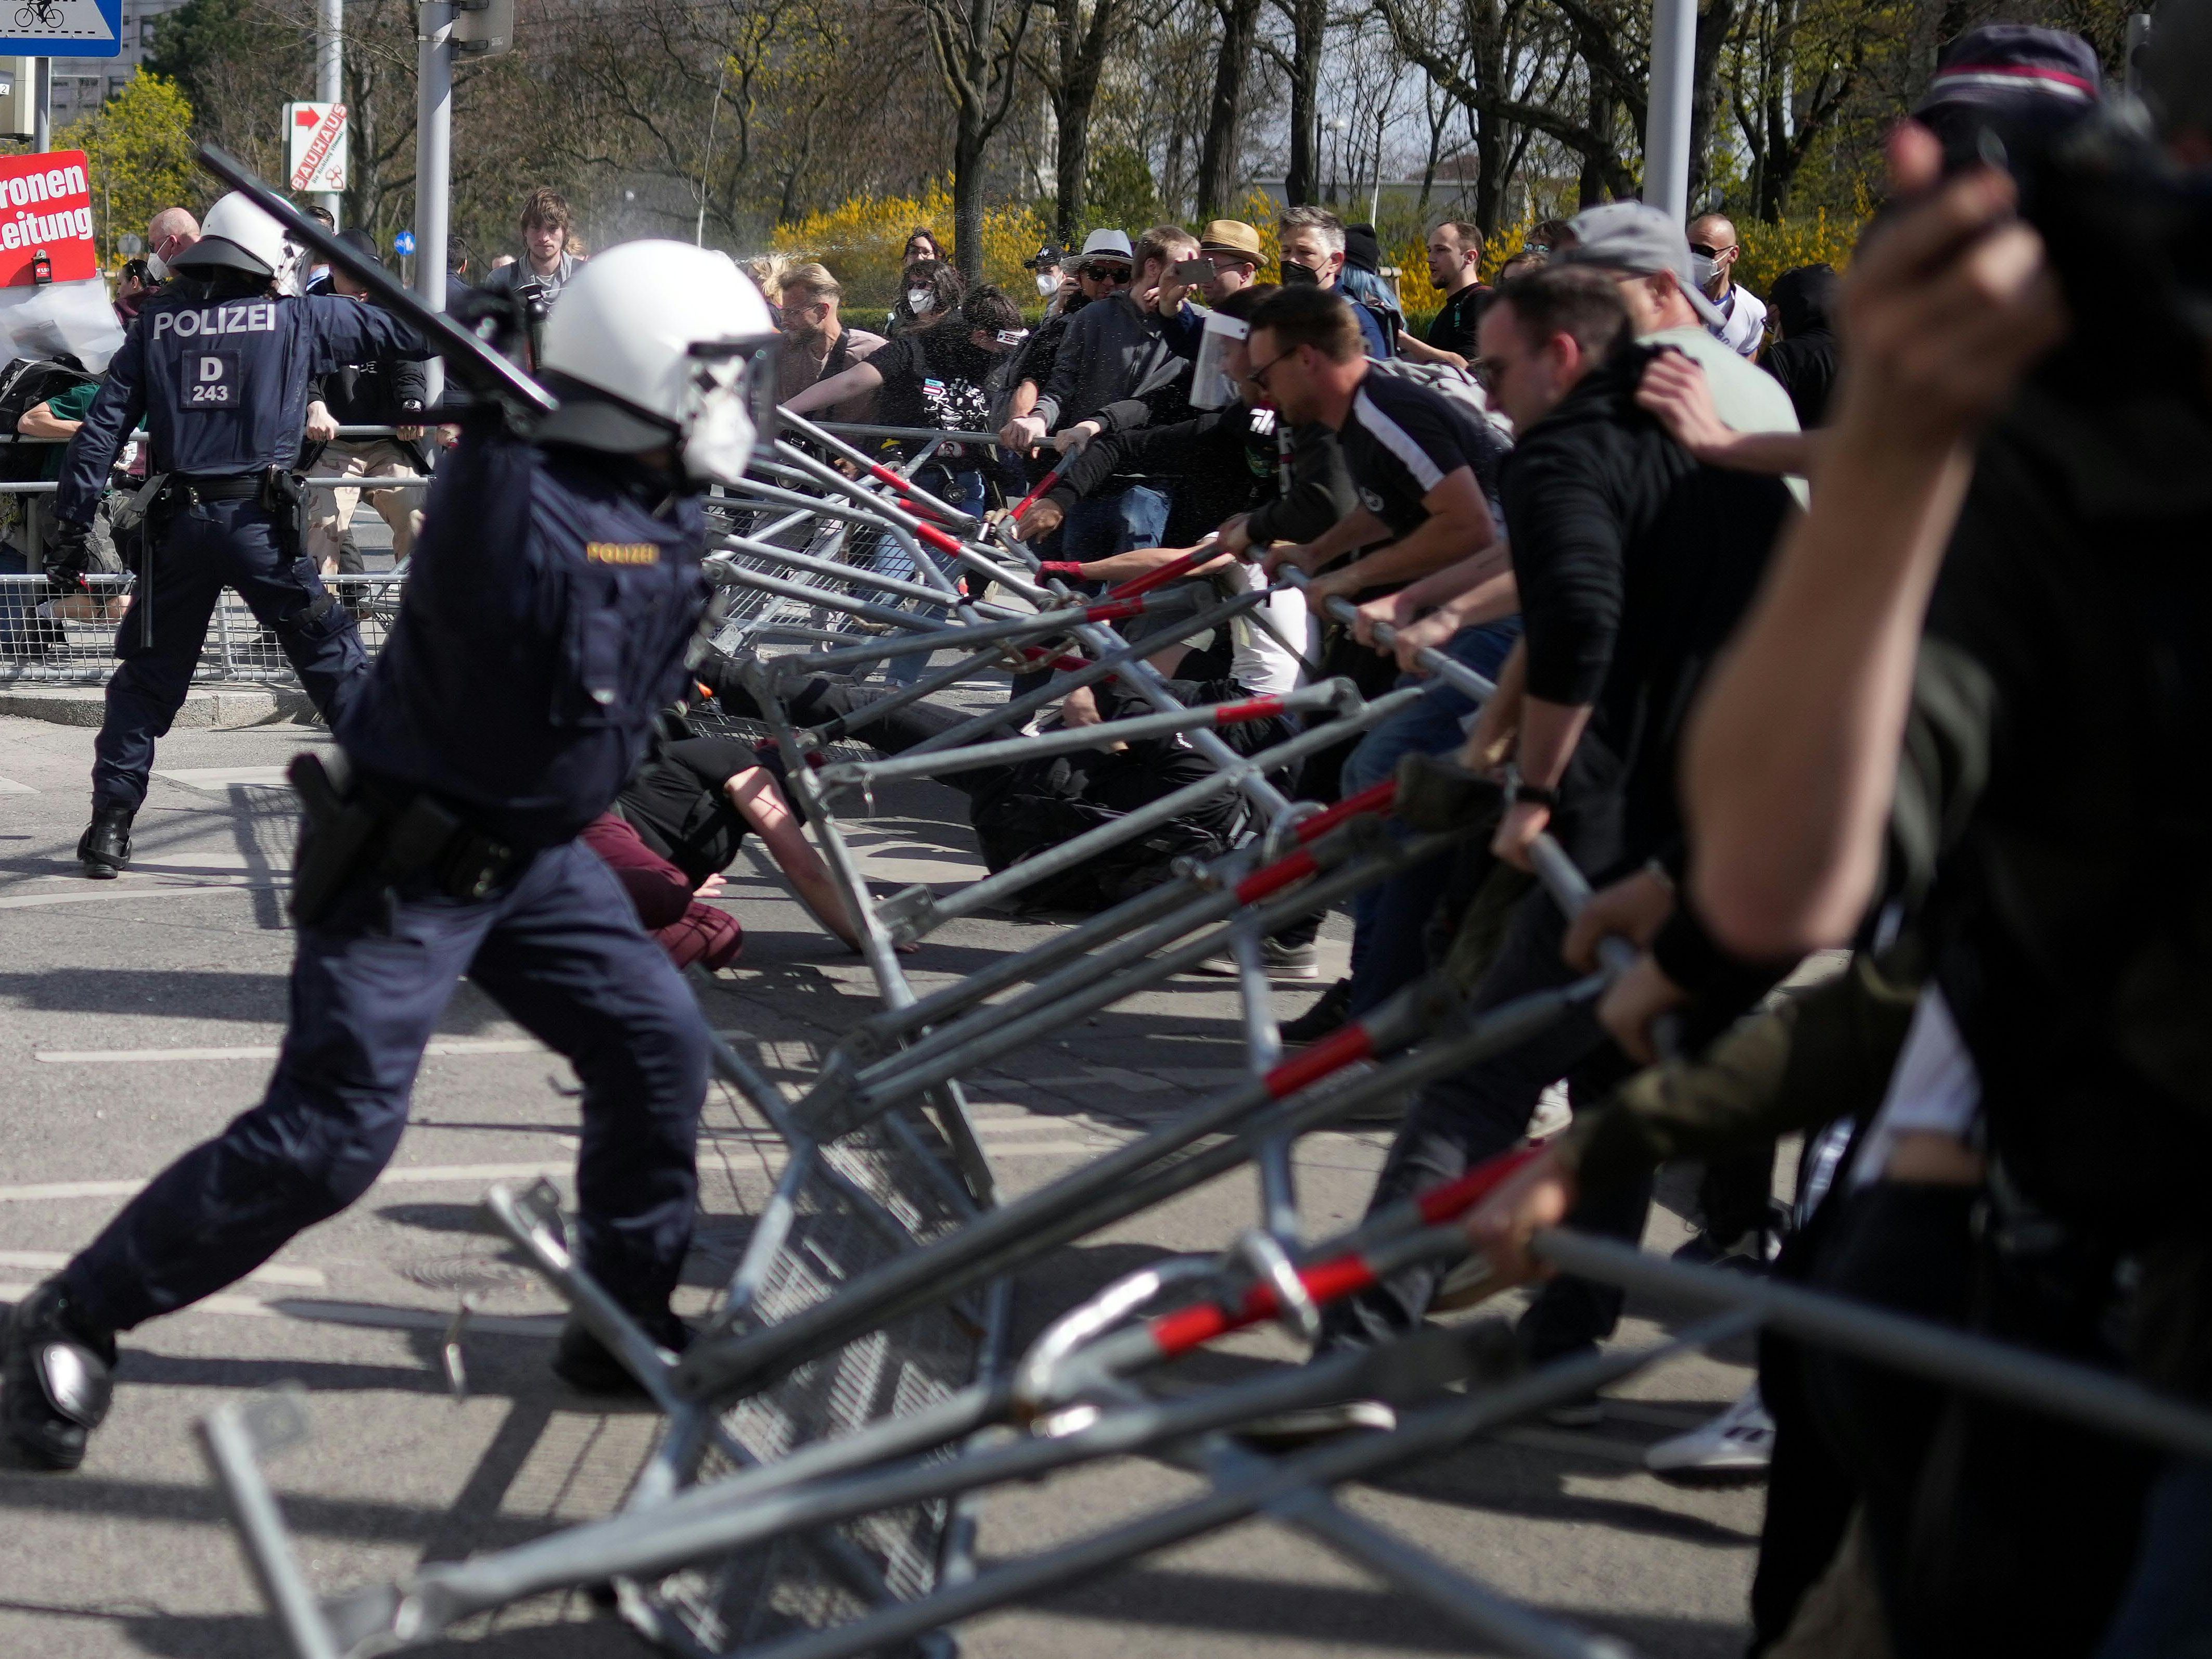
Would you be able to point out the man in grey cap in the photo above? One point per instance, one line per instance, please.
(1648, 255)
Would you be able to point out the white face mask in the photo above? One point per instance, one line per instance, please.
(719, 432)
(1048, 283)
(918, 300)
(157, 267)
(1703, 271)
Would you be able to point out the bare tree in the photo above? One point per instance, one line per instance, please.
(1219, 149)
(1080, 37)
(978, 46)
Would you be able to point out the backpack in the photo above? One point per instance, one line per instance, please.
(1459, 384)
(25, 384)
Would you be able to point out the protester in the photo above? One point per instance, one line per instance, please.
(817, 343)
(1632, 564)
(134, 286)
(1803, 355)
(1455, 266)
(930, 291)
(920, 245)
(168, 234)
(1112, 351)
(1055, 284)
(547, 265)
(1714, 250)
(1362, 278)
(1234, 248)
(1102, 269)
(317, 277)
(385, 391)
(678, 825)
(1311, 243)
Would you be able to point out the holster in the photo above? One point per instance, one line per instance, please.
(281, 498)
(355, 831)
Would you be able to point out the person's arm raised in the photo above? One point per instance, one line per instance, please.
(853, 382)
(1791, 758)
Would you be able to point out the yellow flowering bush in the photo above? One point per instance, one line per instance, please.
(1770, 250)
(860, 241)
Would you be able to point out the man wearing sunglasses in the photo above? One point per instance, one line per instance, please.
(1714, 250)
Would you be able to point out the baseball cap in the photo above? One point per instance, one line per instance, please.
(1230, 236)
(2000, 66)
(1642, 239)
(1046, 256)
(1108, 245)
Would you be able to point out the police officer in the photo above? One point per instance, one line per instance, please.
(218, 367)
(557, 591)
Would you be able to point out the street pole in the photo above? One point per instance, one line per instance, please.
(42, 104)
(330, 79)
(1666, 135)
(433, 159)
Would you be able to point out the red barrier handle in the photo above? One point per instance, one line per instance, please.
(1030, 501)
(1297, 867)
(937, 538)
(1114, 611)
(1238, 714)
(1338, 1277)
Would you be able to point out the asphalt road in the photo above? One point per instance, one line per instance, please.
(137, 1016)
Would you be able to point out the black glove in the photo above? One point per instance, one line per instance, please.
(69, 556)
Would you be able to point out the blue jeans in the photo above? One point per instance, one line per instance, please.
(962, 489)
(1388, 920)
(1103, 525)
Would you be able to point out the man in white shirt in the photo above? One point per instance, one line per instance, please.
(1714, 250)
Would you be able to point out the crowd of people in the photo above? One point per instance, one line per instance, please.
(1788, 602)
(1692, 534)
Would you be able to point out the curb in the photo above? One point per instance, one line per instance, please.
(216, 708)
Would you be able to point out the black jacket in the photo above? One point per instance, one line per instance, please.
(1111, 350)
(376, 392)
(1634, 565)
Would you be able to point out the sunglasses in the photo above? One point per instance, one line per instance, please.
(1706, 251)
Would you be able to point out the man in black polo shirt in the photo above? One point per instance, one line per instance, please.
(1426, 467)
(1455, 266)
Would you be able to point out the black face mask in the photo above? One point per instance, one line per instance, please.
(1294, 276)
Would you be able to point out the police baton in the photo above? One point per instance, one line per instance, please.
(482, 369)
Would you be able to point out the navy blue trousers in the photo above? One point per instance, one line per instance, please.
(562, 952)
(203, 550)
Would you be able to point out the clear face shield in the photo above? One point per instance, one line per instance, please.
(730, 389)
(1211, 385)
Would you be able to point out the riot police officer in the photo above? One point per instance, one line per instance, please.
(556, 593)
(218, 366)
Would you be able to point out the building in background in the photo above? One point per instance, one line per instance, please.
(82, 84)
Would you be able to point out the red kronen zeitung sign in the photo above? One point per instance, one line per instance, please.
(45, 207)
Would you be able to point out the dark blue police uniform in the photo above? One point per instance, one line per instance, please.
(554, 596)
(222, 387)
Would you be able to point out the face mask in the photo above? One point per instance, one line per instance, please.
(918, 300)
(718, 432)
(1703, 270)
(1295, 274)
(1048, 284)
(157, 267)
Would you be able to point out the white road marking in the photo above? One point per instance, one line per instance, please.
(9, 786)
(374, 1315)
(438, 1047)
(53, 1261)
(44, 1191)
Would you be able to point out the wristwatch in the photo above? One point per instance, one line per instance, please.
(1524, 793)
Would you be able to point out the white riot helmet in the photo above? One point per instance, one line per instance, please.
(236, 235)
(655, 342)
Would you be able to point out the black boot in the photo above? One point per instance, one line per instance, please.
(57, 1373)
(589, 1366)
(105, 851)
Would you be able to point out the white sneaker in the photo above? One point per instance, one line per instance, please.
(1552, 1114)
(1737, 1444)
